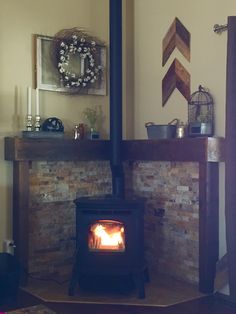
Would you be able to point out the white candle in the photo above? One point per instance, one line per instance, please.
(37, 102)
(29, 101)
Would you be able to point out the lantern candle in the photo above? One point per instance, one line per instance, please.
(29, 101)
(37, 102)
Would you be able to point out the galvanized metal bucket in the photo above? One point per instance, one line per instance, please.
(161, 131)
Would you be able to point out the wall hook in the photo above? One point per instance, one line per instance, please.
(220, 28)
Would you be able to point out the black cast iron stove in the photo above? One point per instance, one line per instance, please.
(110, 248)
(109, 229)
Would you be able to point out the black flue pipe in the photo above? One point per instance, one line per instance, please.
(115, 19)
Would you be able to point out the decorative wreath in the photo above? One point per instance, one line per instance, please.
(87, 52)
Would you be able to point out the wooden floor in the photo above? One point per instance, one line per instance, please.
(204, 305)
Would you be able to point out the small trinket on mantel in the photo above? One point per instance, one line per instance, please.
(79, 131)
(93, 116)
(180, 130)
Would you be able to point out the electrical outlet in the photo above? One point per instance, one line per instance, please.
(8, 246)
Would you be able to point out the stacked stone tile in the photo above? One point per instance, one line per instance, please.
(171, 215)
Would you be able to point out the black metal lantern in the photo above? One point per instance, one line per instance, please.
(200, 113)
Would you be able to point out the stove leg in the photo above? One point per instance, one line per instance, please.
(72, 285)
(146, 275)
(74, 279)
(139, 280)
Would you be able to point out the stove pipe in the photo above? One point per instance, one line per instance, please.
(116, 97)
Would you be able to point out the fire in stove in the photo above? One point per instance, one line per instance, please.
(107, 235)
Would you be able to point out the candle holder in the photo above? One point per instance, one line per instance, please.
(29, 122)
(37, 124)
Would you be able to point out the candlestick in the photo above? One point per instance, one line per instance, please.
(29, 122)
(37, 102)
(29, 101)
(37, 125)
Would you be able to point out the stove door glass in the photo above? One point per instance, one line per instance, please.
(106, 235)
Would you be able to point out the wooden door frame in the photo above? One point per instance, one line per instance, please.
(230, 156)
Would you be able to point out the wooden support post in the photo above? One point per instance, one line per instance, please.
(21, 215)
(230, 163)
(208, 224)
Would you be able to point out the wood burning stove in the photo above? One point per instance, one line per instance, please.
(110, 241)
(110, 229)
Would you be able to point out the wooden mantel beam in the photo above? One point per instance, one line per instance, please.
(186, 149)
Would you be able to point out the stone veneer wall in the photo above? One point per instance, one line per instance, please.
(171, 216)
(53, 187)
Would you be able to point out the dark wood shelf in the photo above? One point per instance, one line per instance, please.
(20, 149)
(186, 149)
(205, 149)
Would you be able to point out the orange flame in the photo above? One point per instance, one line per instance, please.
(107, 235)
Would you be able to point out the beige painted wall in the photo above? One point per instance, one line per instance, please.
(207, 66)
(208, 57)
(18, 21)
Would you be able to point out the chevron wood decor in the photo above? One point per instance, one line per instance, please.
(178, 37)
(176, 77)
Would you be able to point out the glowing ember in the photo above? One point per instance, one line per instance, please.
(107, 235)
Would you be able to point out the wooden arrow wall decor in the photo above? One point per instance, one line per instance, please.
(176, 77)
(178, 37)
